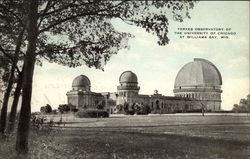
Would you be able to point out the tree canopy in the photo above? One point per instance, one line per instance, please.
(243, 106)
(77, 32)
(73, 33)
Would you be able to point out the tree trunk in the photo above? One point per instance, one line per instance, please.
(29, 62)
(13, 111)
(10, 83)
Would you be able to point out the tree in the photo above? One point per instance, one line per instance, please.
(46, 109)
(64, 108)
(10, 83)
(243, 106)
(235, 108)
(12, 34)
(7, 84)
(142, 109)
(12, 117)
(91, 38)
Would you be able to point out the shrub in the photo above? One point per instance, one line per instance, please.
(40, 124)
(63, 108)
(143, 110)
(92, 113)
(130, 112)
(46, 109)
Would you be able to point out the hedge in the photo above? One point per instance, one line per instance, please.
(92, 113)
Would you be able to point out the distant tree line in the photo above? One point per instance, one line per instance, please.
(243, 106)
(65, 108)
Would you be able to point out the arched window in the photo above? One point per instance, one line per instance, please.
(157, 104)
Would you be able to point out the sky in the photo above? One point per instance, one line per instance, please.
(157, 66)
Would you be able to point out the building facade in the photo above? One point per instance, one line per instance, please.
(197, 86)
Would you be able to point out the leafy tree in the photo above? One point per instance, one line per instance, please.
(65, 108)
(46, 109)
(243, 106)
(12, 30)
(89, 35)
(7, 86)
(142, 109)
(235, 108)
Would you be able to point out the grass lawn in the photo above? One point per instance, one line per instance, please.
(166, 136)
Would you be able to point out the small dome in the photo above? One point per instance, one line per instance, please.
(81, 81)
(128, 77)
(199, 72)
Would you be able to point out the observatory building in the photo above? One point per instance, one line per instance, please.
(200, 80)
(81, 95)
(197, 85)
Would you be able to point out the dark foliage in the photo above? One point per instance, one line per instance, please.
(46, 109)
(92, 113)
(143, 110)
(243, 106)
(74, 33)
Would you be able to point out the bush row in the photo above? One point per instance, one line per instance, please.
(92, 113)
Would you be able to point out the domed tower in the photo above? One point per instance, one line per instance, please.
(128, 89)
(200, 80)
(81, 82)
(80, 95)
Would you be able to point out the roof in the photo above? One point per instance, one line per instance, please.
(199, 72)
(128, 77)
(81, 81)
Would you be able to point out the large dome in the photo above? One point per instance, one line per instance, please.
(200, 72)
(128, 77)
(81, 81)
